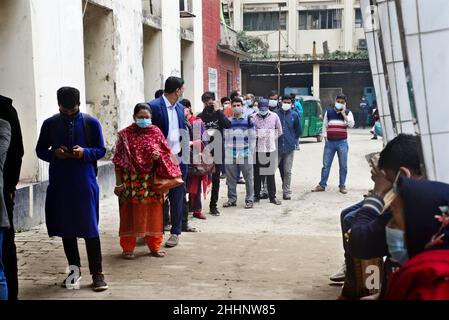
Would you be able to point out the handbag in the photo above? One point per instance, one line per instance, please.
(163, 185)
(206, 167)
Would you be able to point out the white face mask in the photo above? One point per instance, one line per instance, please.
(272, 104)
(286, 106)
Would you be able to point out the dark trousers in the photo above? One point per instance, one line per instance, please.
(266, 163)
(10, 253)
(346, 220)
(177, 198)
(93, 247)
(215, 187)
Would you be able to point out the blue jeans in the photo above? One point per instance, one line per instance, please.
(341, 148)
(3, 285)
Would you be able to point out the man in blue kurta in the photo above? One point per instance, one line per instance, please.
(72, 143)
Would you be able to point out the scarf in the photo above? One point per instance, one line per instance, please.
(134, 152)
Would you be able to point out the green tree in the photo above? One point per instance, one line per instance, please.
(253, 45)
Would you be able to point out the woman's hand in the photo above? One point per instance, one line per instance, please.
(119, 190)
(156, 155)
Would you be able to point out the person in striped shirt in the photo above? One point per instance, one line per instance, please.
(240, 142)
(336, 122)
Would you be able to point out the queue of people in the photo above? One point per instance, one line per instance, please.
(168, 152)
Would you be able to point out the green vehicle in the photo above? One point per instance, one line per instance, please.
(312, 118)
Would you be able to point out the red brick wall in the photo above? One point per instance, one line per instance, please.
(212, 57)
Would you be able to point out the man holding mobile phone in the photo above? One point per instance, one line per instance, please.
(336, 122)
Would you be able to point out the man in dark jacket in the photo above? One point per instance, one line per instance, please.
(5, 139)
(291, 128)
(215, 122)
(11, 175)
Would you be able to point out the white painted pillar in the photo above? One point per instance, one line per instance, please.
(316, 80)
(238, 15)
(348, 25)
(171, 39)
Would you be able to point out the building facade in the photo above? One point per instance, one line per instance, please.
(334, 25)
(116, 52)
(221, 64)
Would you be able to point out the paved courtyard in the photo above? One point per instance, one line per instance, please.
(271, 252)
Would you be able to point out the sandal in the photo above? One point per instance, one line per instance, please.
(229, 204)
(158, 254)
(128, 255)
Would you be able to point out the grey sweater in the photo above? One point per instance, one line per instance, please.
(5, 139)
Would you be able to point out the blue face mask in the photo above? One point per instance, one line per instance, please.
(396, 246)
(143, 123)
(339, 106)
(263, 113)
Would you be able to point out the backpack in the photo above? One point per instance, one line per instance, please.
(89, 127)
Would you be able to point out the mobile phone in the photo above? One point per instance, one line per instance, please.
(373, 158)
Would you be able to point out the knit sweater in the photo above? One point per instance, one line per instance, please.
(334, 125)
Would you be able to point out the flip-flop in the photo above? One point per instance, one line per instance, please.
(158, 254)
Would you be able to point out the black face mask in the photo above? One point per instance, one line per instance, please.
(70, 117)
(209, 109)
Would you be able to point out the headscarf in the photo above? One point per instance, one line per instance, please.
(134, 152)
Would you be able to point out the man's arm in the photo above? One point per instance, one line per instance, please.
(367, 238)
(13, 162)
(297, 126)
(325, 124)
(225, 123)
(43, 146)
(279, 131)
(92, 154)
(349, 119)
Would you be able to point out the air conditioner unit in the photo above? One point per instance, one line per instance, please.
(362, 44)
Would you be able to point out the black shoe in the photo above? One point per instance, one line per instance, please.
(264, 196)
(215, 212)
(374, 138)
(74, 283)
(98, 283)
(256, 200)
(287, 198)
(276, 202)
(189, 228)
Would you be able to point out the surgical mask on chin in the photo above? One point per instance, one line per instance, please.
(396, 246)
(286, 106)
(144, 123)
(272, 104)
(339, 106)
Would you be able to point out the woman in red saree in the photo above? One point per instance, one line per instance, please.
(196, 185)
(141, 151)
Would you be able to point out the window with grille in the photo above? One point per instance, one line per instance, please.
(320, 19)
(358, 18)
(264, 21)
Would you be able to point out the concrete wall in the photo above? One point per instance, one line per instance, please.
(49, 44)
(212, 57)
(171, 36)
(17, 73)
(152, 61)
(100, 67)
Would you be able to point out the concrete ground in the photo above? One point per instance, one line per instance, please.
(270, 252)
